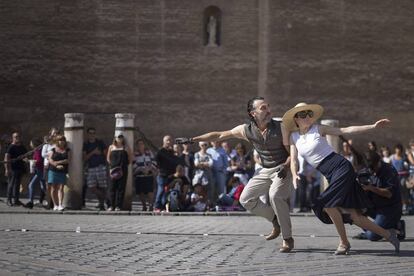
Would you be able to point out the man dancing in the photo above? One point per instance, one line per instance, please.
(270, 140)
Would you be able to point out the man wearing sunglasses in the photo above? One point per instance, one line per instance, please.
(270, 140)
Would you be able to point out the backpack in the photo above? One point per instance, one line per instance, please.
(174, 200)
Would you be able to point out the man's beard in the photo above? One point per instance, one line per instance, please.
(266, 119)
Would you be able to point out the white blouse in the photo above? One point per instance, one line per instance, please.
(45, 151)
(312, 146)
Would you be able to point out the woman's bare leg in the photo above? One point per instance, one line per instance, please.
(54, 195)
(60, 194)
(336, 218)
(367, 224)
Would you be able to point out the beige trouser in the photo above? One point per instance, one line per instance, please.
(266, 182)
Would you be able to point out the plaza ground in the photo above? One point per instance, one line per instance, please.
(124, 243)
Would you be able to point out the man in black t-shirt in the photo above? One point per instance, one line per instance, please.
(94, 153)
(167, 162)
(14, 169)
(383, 189)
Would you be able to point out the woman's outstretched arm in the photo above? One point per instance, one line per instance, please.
(328, 130)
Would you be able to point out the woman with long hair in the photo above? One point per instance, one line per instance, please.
(119, 157)
(48, 145)
(58, 159)
(144, 170)
(241, 163)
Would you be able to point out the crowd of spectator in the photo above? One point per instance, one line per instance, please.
(174, 178)
(199, 177)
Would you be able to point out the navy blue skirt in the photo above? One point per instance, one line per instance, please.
(343, 190)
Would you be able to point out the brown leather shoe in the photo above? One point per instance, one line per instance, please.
(288, 245)
(274, 234)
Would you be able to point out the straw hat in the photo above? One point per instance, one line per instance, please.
(288, 118)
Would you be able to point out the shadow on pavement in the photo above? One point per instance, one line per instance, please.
(403, 253)
(374, 252)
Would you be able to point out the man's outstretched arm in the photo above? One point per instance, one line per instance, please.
(214, 136)
(237, 132)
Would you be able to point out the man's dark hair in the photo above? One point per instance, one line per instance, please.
(90, 129)
(36, 142)
(250, 106)
(373, 158)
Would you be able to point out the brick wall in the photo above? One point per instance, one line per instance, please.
(147, 57)
(356, 58)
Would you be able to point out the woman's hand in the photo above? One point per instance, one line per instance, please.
(296, 179)
(381, 123)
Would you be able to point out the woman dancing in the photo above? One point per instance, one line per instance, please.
(344, 196)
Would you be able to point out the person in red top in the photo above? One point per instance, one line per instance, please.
(232, 198)
(238, 192)
(37, 173)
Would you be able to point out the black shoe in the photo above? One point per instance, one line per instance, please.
(18, 203)
(401, 230)
(9, 203)
(29, 205)
(394, 240)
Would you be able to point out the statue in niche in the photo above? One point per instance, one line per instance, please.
(212, 31)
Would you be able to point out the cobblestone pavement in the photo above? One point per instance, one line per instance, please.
(48, 244)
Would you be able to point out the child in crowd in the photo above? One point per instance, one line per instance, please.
(177, 190)
(199, 201)
(232, 198)
(386, 154)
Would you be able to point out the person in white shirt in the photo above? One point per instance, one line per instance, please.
(343, 195)
(48, 146)
(385, 154)
(203, 175)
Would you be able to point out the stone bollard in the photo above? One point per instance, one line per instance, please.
(74, 135)
(125, 125)
(333, 141)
